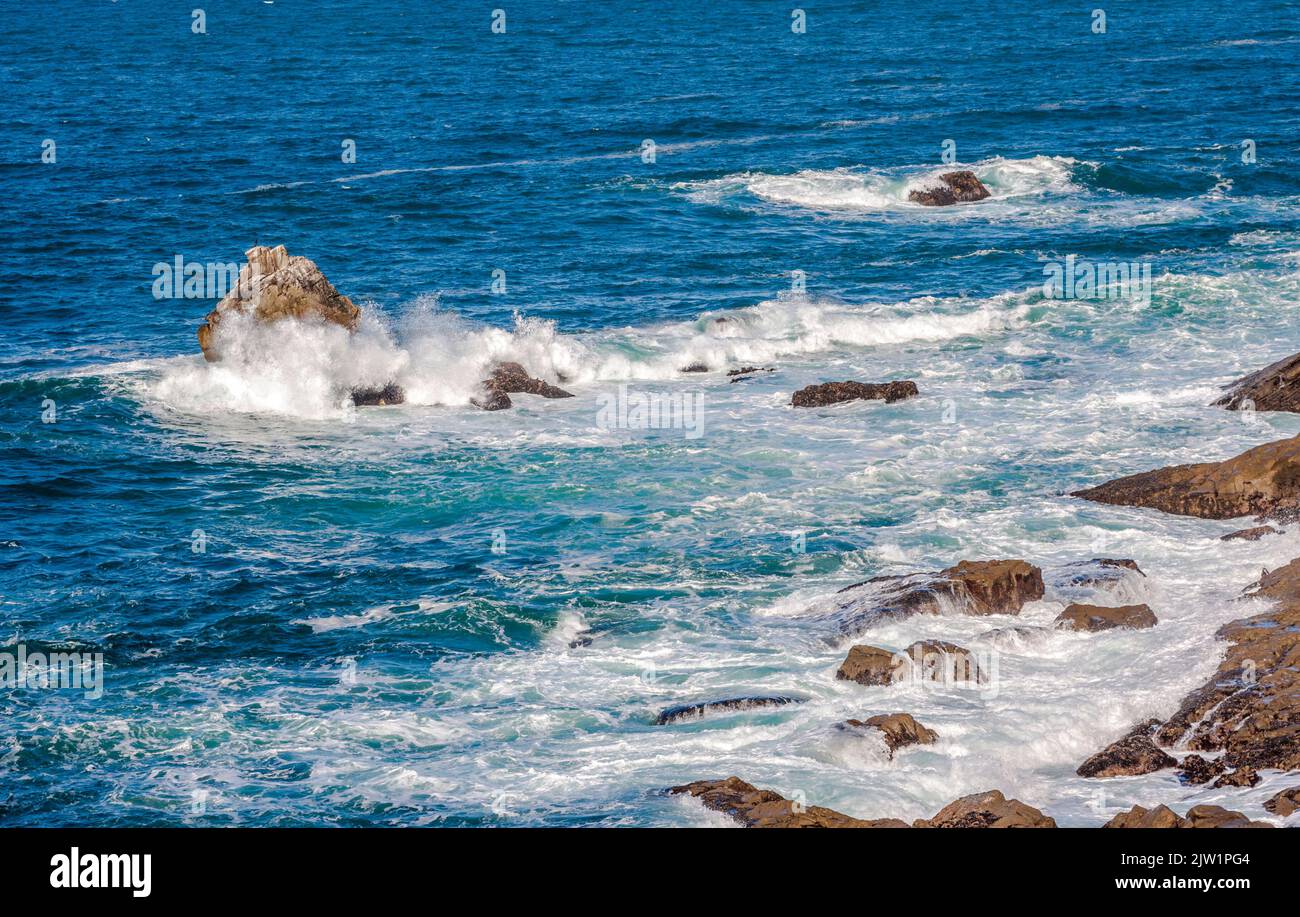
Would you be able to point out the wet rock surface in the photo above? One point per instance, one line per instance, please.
(1251, 534)
(952, 188)
(511, 379)
(388, 394)
(755, 808)
(1094, 618)
(827, 393)
(686, 712)
(983, 587)
(898, 730)
(1134, 754)
(1194, 769)
(925, 660)
(1262, 481)
(987, 810)
(1284, 803)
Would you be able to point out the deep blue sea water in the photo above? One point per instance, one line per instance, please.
(377, 628)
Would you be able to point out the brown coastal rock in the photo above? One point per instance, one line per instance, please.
(981, 587)
(1242, 776)
(1194, 769)
(898, 729)
(1095, 618)
(1250, 709)
(953, 187)
(1284, 803)
(1261, 481)
(987, 810)
(814, 396)
(275, 285)
(1273, 388)
(1197, 817)
(755, 808)
(925, 660)
(1136, 753)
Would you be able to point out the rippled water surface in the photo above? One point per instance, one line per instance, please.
(430, 614)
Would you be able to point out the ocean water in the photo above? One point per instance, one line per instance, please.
(314, 615)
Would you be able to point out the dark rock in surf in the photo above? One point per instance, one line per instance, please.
(1194, 769)
(827, 393)
(683, 712)
(953, 188)
(748, 372)
(1093, 618)
(511, 379)
(695, 368)
(755, 808)
(1134, 754)
(1276, 387)
(389, 394)
(1262, 481)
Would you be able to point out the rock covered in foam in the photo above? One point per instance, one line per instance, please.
(274, 285)
(511, 379)
(684, 712)
(951, 188)
(977, 587)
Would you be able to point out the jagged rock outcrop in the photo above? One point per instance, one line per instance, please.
(683, 712)
(979, 587)
(1197, 817)
(511, 379)
(1262, 481)
(987, 810)
(1276, 387)
(897, 729)
(1284, 803)
(1134, 754)
(1194, 769)
(275, 285)
(1093, 618)
(755, 808)
(814, 396)
(952, 188)
(748, 372)
(1242, 776)
(1250, 709)
(925, 660)
(391, 393)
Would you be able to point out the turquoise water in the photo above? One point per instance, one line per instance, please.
(310, 614)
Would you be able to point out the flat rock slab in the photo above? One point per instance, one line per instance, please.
(1093, 618)
(685, 712)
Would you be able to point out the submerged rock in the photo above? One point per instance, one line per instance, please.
(1251, 534)
(925, 660)
(1102, 572)
(1276, 387)
(1261, 481)
(755, 808)
(275, 285)
(898, 730)
(510, 379)
(977, 587)
(1134, 754)
(987, 810)
(1197, 817)
(814, 396)
(1095, 618)
(696, 367)
(698, 711)
(954, 187)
